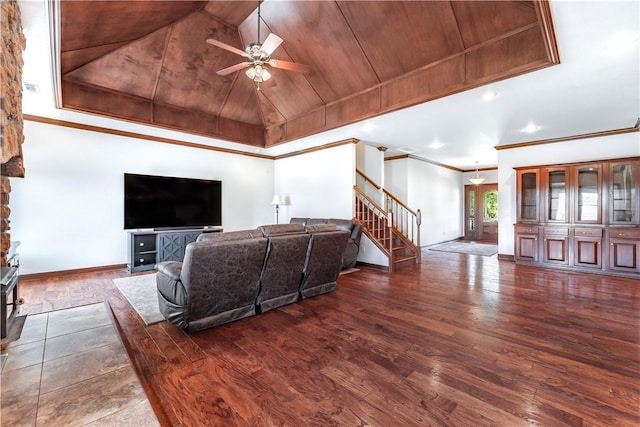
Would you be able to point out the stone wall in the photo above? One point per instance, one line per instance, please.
(11, 134)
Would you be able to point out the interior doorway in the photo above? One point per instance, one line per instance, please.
(481, 212)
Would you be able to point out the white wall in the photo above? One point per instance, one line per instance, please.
(438, 193)
(68, 210)
(490, 177)
(317, 184)
(396, 182)
(608, 147)
(435, 190)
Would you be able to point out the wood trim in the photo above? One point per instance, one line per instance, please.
(373, 266)
(543, 10)
(480, 170)
(91, 128)
(321, 147)
(398, 157)
(622, 131)
(505, 257)
(586, 162)
(54, 274)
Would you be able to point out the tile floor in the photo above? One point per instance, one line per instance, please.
(69, 368)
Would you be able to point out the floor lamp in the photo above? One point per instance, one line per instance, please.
(276, 203)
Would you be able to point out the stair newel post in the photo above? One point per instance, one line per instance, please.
(418, 223)
(389, 232)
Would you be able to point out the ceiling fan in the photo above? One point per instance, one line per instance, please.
(259, 55)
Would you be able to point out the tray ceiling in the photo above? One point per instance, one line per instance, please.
(148, 62)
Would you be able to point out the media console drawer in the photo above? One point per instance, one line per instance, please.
(147, 248)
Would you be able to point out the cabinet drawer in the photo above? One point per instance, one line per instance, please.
(625, 233)
(556, 231)
(588, 232)
(144, 259)
(144, 243)
(526, 229)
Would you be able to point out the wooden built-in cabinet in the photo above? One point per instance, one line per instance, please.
(582, 216)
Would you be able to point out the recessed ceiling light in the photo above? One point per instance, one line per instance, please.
(436, 144)
(531, 127)
(489, 95)
(367, 126)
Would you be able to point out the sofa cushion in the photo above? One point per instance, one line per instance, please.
(323, 263)
(283, 270)
(229, 236)
(320, 228)
(296, 220)
(222, 280)
(341, 224)
(316, 221)
(279, 229)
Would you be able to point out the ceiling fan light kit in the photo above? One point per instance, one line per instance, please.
(259, 55)
(258, 74)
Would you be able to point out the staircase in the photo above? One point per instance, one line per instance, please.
(395, 230)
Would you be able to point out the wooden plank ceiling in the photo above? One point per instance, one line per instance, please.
(148, 62)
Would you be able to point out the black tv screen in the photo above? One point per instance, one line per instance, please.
(169, 202)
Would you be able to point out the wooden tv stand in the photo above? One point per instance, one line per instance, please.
(148, 247)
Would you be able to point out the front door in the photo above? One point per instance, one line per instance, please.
(481, 212)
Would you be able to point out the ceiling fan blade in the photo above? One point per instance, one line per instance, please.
(227, 47)
(291, 66)
(270, 44)
(233, 68)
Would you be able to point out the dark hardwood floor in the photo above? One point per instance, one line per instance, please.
(458, 340)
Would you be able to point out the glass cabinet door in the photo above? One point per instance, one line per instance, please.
(588, 187)
(623, 193)
(557, 195)
(528, 191)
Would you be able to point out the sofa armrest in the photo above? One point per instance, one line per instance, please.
(171, 269)
(356, 233)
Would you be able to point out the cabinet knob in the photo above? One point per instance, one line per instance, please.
(141, 259)
(141, 243)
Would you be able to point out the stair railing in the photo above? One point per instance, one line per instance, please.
(374, 219)
(405, 221)
(369, 187)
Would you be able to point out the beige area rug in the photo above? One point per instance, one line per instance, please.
(471, 248)
(141, 292)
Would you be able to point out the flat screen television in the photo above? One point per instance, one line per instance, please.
(163, 202)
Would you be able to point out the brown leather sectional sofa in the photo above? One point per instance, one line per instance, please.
(354, 228)
(232, 275)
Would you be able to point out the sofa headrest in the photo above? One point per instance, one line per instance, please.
(342, 224)
(278, 229)
(296, 220)
(229, 236)
(317, 221)
(320, 228)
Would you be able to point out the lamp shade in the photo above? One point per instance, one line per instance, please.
(276, 200)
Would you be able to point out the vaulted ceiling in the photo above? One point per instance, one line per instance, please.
(148, 61)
